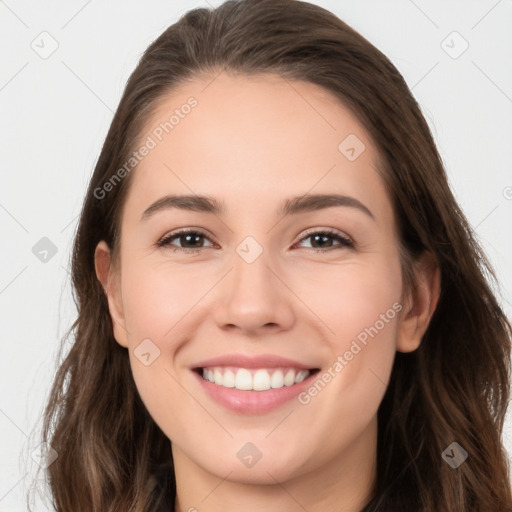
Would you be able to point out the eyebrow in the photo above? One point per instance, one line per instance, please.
(294, 205)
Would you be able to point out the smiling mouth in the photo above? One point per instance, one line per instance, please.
(254, 379)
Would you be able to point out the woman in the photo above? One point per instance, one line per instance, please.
(281, 305)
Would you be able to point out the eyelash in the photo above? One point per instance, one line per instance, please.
(345, 242)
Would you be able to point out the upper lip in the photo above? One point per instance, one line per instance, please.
(243, 361)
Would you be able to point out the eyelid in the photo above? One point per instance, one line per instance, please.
(347, 241)
(183, 231)
(327, 231)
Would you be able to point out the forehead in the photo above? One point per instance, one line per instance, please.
(255, 138)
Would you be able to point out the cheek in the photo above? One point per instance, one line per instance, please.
(156, 303)
(360, 305)
(367, 325)
(351, 297)
(161, 303)
(156, 298)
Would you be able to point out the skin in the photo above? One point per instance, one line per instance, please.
(253, 142)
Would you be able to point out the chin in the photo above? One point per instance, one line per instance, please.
(265, 471)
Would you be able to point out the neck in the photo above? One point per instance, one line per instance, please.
(343, 484)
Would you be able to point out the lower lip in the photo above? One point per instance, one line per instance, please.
(253, 402)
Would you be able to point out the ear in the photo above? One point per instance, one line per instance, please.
(110, 280)
(420, 304)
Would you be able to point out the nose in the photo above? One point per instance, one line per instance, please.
(254, 298)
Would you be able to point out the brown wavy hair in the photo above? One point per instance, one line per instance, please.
(454, 387)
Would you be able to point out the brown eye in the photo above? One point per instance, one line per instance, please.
(188, 241)
(323, 240)
(193, 241)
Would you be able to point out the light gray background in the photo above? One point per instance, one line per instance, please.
(55, 113)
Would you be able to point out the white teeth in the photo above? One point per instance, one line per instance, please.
(289, 378)
(217, 376)
(277, 379)
(228, 379)
(243, 379)
(261, 380)
(302, 375)
(257, 380)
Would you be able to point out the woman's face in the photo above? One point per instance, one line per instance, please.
(279, 270)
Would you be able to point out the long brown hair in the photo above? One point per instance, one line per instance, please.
(454, 388)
